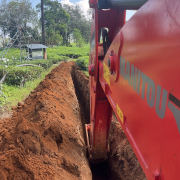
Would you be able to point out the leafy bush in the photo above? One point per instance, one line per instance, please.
(19, 75)
(13, 53)
(63, 58)
(14, 62)
(55, 61)
(71, 52)
(45, 63)
(2, 96)
(78, 38)
(83, 62)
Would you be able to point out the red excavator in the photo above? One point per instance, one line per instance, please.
(134, 72)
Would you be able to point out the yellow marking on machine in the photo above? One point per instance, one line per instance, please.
(106, 73)
(120, 113)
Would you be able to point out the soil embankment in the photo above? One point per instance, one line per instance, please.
(44, 138)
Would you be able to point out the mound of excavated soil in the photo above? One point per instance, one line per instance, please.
(43, 140)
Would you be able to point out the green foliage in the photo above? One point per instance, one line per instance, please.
(29, 77)
(63, 58)
(78, 38)
(71, 52)
(58, 39)
(2, 95)
(20, 75)
(14, 94)
(78, 21)
(16, 13)
(56, 20)
(13, 54)
(83, 62)
(45, 63)
(55, 54)
(55, 61)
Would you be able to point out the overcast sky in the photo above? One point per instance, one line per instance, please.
(84, 5)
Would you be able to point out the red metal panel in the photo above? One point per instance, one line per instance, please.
(100, 109)
(150, 109)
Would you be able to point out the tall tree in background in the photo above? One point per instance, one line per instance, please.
(78, 37)
(15, 14)
(60, 22)
(56, 19)
(3, 26)
(77, 21)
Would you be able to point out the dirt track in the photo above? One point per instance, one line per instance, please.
(44, 139)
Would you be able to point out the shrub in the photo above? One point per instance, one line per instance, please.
(64, 58)
(71, 52)
(55, 61)
(45, 63)
(82, 62)
(2, 96)
(19, 75)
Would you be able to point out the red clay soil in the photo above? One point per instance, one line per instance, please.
(122, 159)
(43, 140)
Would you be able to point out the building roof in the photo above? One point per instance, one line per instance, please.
(36, 46)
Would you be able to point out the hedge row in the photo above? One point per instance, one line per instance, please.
(59, 58)
(19, 75)
(83, 62)
(45, 63)
(48, 62)
(40, 62)
(70, 52)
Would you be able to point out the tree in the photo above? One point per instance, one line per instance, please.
(77, 37)
(77, 21)
(56, 19)
(3, 19)
(16, 14)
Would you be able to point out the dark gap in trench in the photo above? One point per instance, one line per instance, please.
(82, 93)
(99, 171)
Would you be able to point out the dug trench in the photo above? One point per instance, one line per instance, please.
(45, 138)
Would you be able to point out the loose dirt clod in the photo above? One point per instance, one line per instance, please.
(44, 139)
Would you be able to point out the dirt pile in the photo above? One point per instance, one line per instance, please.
(44, 139)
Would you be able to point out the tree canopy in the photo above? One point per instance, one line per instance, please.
(61, 22)
(56, 20)
(15, 14)
(78, 21)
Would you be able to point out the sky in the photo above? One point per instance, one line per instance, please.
(83, 4)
